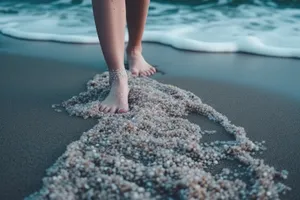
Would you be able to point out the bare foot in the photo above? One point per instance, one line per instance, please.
(137, 64)
(117, 99)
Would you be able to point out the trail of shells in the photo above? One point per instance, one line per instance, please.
(151, 152)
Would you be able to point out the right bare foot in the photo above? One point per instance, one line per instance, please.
(137, 64)
(117, 99)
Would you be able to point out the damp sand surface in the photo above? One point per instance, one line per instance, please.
(152, 152)
(25, 120)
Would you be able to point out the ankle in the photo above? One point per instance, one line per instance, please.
(118, 76)
(134, 49)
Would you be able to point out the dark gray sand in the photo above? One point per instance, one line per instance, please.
(33, 136)
(152, 152)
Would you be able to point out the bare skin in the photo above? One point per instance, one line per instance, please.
(117, 99)
(136, 15)
(110, 19)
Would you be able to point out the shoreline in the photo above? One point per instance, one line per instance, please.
(34, 135)
(278, 75)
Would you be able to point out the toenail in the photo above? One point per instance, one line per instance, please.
(121, 110)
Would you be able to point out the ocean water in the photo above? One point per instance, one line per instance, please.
(264, 27)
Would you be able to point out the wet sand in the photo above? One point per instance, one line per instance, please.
(33, 136)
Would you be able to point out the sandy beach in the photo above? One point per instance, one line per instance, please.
(258, 93)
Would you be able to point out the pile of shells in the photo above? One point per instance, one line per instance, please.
(152, 152)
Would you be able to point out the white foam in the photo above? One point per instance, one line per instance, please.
(248, 28)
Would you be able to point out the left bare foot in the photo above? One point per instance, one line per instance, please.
(137, 64)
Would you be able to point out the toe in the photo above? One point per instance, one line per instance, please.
(106, 110)
(102, 107)
(153, 69)
(150, 72)
(134, 72)
(122, 110)
(143, 74)
(113, 110)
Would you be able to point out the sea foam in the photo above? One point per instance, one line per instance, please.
(263, 30)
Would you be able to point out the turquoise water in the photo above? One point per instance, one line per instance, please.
(269, 28)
